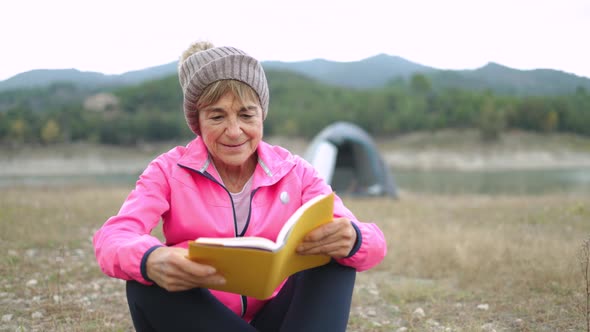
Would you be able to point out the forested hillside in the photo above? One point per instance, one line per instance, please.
(370, 73)
(39, 78)
(299, 106)
(508, 81)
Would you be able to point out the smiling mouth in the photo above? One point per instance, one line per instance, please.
(233, 145)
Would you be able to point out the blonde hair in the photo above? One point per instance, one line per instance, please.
(214, 91)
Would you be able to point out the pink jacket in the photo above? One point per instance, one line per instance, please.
(182, 188)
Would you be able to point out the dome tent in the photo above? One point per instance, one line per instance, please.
(348, 159)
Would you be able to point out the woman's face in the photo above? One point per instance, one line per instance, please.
(231, 130)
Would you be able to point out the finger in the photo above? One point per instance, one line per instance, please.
(337, 244)
(344, 239)
(345, 232)
(335, 249)
(198, 274)
(327, 242)
(183, 281)
(324, 231)
(308, 245)
(197, 269)
(180, 264)
(170, 269)
(216, 279)
(199, 278)
(319, 233)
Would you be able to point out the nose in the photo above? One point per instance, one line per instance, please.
(234, 128)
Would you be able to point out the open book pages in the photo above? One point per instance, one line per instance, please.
(260, 242)
(240, 242)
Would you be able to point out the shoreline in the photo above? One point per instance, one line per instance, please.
(444, 150)
(430, 160)
(498, 161)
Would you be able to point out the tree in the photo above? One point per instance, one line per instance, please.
(420, 84)
(491, 121)
(50, 132)
(550, 122)
(4, 126)
(18, 130)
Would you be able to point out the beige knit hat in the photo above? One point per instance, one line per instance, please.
(214, 64)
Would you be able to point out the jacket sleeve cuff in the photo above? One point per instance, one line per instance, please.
(357, 243)
(143, 266)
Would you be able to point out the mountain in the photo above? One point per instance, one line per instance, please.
(505, 80)
(44, 77)
(368, 73)
(152, 73)
(372, 72)
(85, 79)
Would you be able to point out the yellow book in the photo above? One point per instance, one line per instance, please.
(255, 266)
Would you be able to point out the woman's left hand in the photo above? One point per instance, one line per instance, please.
(334, 239)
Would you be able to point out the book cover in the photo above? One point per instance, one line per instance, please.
(255, 266)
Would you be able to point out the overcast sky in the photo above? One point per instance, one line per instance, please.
(115, 36)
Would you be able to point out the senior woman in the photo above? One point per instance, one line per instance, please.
(227, 182)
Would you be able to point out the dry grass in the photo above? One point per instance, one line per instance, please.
(450, 254)
(447, 255)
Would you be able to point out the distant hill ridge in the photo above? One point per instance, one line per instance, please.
(373, 72)
(87, 79)
(368, 73)
(505, 80)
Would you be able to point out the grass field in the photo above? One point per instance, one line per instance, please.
(455, 263)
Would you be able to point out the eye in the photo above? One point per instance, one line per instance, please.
(248, 113)
(216, 117)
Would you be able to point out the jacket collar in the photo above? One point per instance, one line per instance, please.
(273, 161)
(195, 156)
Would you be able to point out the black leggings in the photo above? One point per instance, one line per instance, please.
(317, 299)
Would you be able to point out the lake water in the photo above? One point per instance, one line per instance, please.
(495, 182)
(433, 181)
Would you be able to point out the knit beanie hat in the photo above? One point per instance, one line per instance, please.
(214, 64)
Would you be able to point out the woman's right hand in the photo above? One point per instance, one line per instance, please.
(170, 269)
